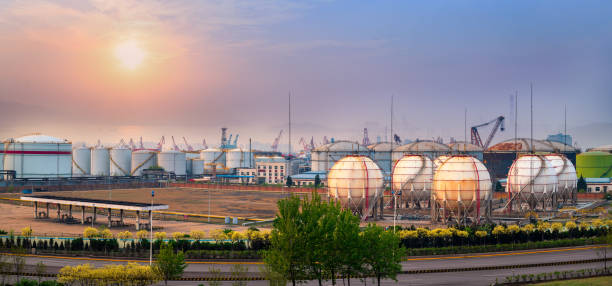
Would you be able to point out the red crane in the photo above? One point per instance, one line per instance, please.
(276, 141)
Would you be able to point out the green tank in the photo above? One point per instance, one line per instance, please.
(594, 164)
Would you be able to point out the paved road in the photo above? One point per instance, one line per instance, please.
(414, 263)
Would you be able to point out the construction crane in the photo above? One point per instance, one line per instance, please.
(325, 140)
(397, 139)
(366, 138)
(305, 146)
(174, 146)
(204, 145)
(161, 143)
(276, 141)
(236, 140)
(189, 147)
(498, 124)
(312, 145)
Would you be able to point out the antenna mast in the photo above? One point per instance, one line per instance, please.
(531, 88)
(289, 154)
(516, 123)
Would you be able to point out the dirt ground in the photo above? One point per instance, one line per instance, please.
(248, 204)
(15, 217)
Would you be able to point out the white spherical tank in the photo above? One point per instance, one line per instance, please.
(355, 181)
(532, 176)
(413, 176)
(440, 160)
(211, 156)
(120, 160)
(172, 161)
(566, 173)
(38, 156)
(81, 161)
(197, 167)
(461, 184)
(100, 161)
(142, 160)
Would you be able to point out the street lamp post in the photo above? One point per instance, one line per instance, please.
(151, 227)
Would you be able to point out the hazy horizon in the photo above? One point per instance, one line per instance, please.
(89, 70)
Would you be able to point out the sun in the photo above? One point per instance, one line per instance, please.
(129, 54)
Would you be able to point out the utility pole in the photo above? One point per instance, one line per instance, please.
(289, 126)
(151, 234)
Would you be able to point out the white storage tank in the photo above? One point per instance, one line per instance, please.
(238, 158)
(120, 160)
(172, 161)
(381, 154)
(412, 176)
(100, 161)
(197, 167)
(532, 177)
(188, 165)
(212, 156)
(461, 184)
(440, 160)
(38, 156)
(566, 174)
(356, 182)
(325, 156)
(142, 160)
(81, 161)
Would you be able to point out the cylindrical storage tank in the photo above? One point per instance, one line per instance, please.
(38, 156)
(197, 167)
(330, 153)
(188, 165)
(172, 161)
(234, 158)
(381, 154)
(413, 176)
(81, 161)
(100, 161)
(532, 177)
(594, 164)
(314, 161)
(461, 184)
(463, 148)
(356, 182)
(120, 160)
(430, 149)
(566, 173)
(142, 160)
(211, 156)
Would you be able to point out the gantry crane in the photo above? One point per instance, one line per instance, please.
(476, 140)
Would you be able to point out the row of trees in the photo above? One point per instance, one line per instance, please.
(314, 239)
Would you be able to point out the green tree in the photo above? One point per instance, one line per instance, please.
(285, 255)
(581, 185)
(317, 224)
(289, 181)
(317, 181)
(383, 253)
(169, 265)
(350, 245)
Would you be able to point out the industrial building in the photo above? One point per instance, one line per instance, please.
(272, 169)
(37, 155)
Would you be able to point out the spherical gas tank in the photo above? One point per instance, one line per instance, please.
(461, 181)
(413, 175)
(532, 176)
(355, 181)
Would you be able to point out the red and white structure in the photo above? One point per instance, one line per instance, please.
(37, 156)
(461, 190)
(357, 183)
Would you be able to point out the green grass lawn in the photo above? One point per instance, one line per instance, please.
(597, 281)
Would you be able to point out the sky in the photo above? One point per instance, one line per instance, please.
(88, 69)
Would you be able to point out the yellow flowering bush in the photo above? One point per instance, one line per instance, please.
(254, 234)
(236, 236)
(513, 228)
(124, 235)
(197, 234)
(26, 231)
(498, 230)
(106, 233)
(218, 234)
(142, 234)
(130, 274)
(422, 232)
(543, 226)
(90, 232)
(462, 233)
(408, 234)
(481, 233)
(597, 223)
(584, 226)
(570, 225)
(557, 226)
(178, 235)
(160, 235)
(529, 228)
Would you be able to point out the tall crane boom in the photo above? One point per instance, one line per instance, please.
(475, 136)
(189, 147)
(276, 141)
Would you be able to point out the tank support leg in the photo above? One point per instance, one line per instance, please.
(93, 217)
(82, 214)
(110, 221)
(137, 220)
(36, 209)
